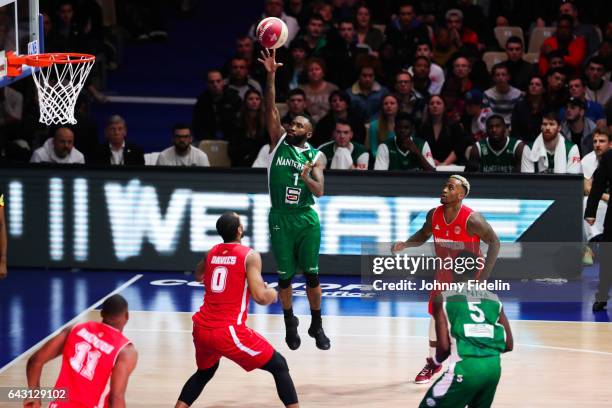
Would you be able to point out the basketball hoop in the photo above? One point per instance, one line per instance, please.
(59, 79)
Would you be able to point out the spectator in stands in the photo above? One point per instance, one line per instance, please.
(602, 142)
(405, 32)
(275, 8)
(577, 128)
(381, 129)
(587, 31)
(502, 97)
(551, 152)
(405, 151)
(366, 94)
(296, 106)
(343, 56)
(421, 76)
(339, 102)
(599, 89)
(520, 70)
(460, 34)
(11, 113)
(298, 10)
(555, 59)
(249, 134)
(497, 153)
(297, 64)
(317, 89)
(117, 151)
(474, 119)
(527, 113)
(368, 37)
(572, 46)
(342, 153)
(592, 110)
(458, 82)
(239, 79)
(314, 36)
(556, 92)
(59, 149)
(215, 109)
(182, 153)
(245, 49)
(410, 101)
(444, 48)
(473, 17)
(445, 137)
(436, 74)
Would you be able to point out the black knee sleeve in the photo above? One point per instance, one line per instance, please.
(284, 283)
(196, 383)
(277, 366)
(312, 280)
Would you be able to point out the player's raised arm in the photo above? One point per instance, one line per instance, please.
(503, 320)
(260, 292)
(313, 177)
(126, 362)
(275, 130)
(419, 237)
(477, 225)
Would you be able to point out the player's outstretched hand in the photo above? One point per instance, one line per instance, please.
(398, 246)
(268, 60)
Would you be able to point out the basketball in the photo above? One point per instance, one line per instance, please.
(272, 32)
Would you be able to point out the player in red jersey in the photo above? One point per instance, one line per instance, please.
(231, 272)
(464, 232)
(97, 360)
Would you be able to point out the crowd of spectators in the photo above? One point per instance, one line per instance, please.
(359, 71)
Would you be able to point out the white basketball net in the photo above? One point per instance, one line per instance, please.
(59, 86)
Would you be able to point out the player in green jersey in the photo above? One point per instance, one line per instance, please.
(295, 175)
(472, 331)
(497, 153)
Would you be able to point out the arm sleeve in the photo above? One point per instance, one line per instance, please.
(382, 158)
(573, 161)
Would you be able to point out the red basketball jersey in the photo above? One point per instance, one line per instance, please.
(88, 359)
(451, 238)
(227, 295)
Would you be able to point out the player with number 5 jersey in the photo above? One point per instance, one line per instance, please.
(295, 175)
(97, 361)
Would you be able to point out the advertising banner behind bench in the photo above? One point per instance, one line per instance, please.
(164, 218)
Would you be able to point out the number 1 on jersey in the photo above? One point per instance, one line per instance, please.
(82, 350)
(296, 179)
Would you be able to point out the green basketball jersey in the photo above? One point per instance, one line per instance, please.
(399, 160)
(287, 190)
(328, 150)
(473, 324)
(502, 161)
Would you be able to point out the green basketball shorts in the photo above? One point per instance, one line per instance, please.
(295, 237)
(471, 382)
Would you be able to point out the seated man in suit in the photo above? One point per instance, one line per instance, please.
(118, 151)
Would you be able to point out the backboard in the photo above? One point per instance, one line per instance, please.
(20, 32)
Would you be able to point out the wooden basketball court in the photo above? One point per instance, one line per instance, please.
(372, 363)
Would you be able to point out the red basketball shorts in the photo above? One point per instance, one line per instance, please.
(244, 346)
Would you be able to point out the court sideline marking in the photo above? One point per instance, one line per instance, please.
(72, 321)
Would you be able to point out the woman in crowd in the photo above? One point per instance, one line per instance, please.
(527, 114)
(367, 35)
(382, 128)
(317, 89)
(445, 137)
(249, 133)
